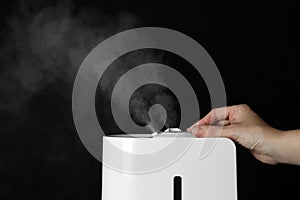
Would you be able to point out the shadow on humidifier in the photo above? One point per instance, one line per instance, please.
(172, 165)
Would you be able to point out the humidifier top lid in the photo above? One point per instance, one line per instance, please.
(170, 132)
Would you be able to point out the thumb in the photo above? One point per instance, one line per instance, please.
(212, 131)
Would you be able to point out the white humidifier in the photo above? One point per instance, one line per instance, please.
(168, 166)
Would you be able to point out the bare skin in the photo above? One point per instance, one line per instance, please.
(242, 125)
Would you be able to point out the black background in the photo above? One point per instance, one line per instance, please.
(253, 47)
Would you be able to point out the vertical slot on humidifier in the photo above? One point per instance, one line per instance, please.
(177, 188)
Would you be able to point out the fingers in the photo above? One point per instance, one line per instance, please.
(211, 131)
(217, 123)
(222, 123)
(215, 115)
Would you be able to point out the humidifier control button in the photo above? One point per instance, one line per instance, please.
(174, 130)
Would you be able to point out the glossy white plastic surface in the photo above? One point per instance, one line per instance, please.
(210, 178)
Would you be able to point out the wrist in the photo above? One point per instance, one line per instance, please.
(277, 146)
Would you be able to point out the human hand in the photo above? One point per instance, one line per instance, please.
(243, 126)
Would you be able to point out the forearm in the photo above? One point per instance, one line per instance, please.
(286, 148)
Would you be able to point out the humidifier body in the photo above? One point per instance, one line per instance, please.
(187, 176)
